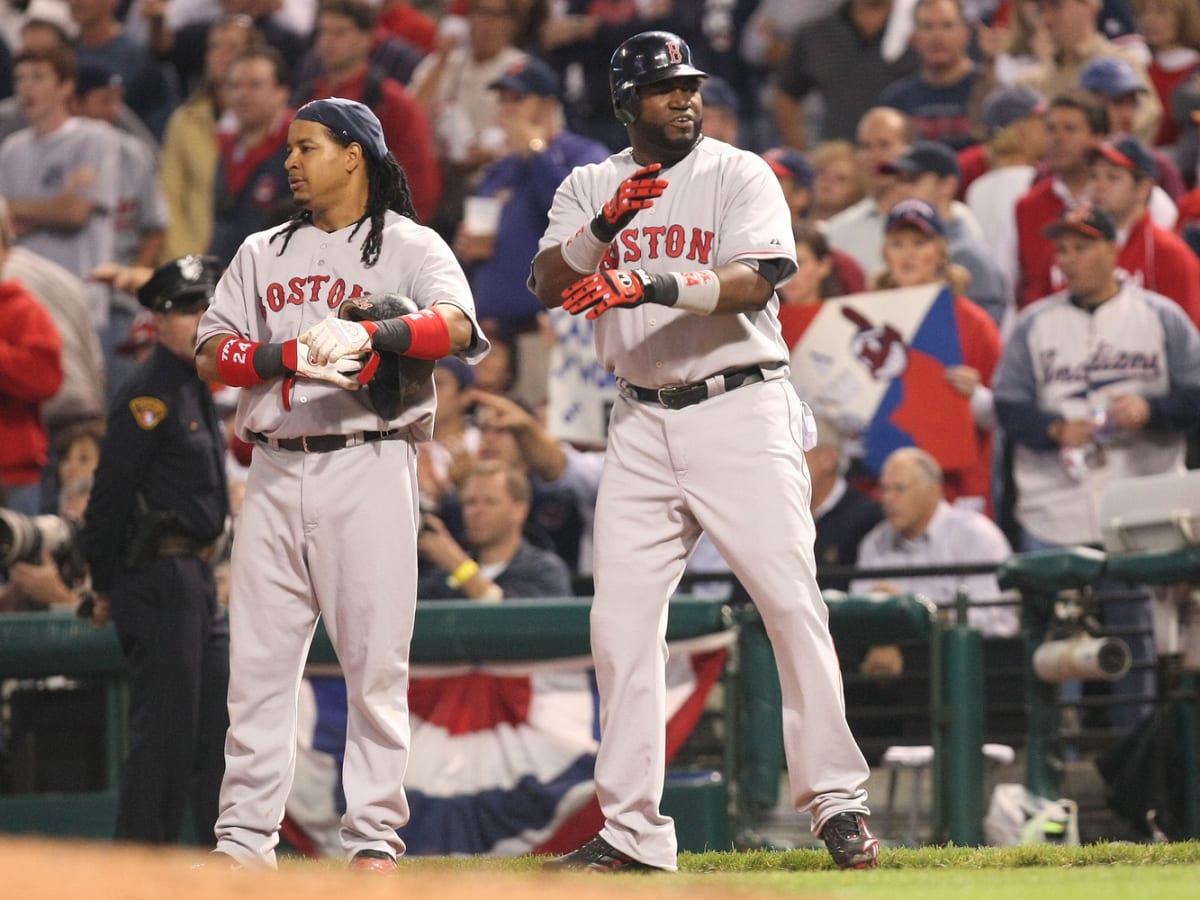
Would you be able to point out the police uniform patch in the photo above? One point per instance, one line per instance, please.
(148, 412)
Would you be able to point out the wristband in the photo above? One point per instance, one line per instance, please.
(699, 292)
(235, 362)
(466, 570)
(583, 252)
(421, 335)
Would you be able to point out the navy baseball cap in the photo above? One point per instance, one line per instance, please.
(789, 162)
(1085, 219)
(1128, 153)
(718, 92)
(1110, 76)
(349, 118)
(1011, 104)
(915, 214)
(922, 157)
(529, 77)
(181, 285)
(93, 75)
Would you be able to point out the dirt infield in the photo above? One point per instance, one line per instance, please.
(49, 870)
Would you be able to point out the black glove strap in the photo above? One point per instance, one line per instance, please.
(268, 361)
(603, 230)
(659, 288)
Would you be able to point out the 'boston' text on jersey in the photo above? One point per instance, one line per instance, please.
(310, 289)
(656, 241)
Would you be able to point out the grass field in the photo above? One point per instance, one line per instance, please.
(46, 870)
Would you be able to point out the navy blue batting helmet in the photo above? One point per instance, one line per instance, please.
(646, 58)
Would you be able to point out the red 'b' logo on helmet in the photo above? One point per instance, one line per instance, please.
(674, 54)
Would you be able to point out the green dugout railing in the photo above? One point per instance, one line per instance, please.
(35, 646)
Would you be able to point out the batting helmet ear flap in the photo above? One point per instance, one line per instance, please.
(626, 103)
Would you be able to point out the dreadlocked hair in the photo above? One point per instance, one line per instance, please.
(387, 188)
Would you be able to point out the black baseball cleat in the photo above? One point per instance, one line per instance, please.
(849, 842)
(373, 861)
(598, 855)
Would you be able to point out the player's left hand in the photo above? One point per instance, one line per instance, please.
(594, 294)
(350, 372)
(331, 339)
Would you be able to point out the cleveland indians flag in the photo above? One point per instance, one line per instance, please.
(875, 364)
(502, 754)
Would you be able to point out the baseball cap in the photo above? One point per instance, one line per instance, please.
(529, 77)
(349, 118)
(922, 157)
(1110, 76)
(788, 162)
(181, 285)
(1128, 153)
(93, 75)
(916, 214)
(1087, 220)
(1010, 104)
(716, 91)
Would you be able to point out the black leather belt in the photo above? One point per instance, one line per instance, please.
(677, 396)
(180, 545)
(325, 443)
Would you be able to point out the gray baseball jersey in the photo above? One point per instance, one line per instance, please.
(698, 223)
(267, 297)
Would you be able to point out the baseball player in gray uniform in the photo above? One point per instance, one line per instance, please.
(329, 522)
(674, 247)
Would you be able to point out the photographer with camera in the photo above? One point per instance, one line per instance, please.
(41, 555)
(159, 503)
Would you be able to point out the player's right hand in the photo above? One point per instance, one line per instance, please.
(637, 192)
(332, 338)
(348, 372)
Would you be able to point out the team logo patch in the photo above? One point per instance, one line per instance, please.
(148, 412)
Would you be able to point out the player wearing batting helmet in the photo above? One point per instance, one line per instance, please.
(329, 522)
(674, 247)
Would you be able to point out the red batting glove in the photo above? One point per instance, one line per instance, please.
(594, 294)
(636, 192)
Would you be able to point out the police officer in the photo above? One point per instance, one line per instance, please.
(159, 502)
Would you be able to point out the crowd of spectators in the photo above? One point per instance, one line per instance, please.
(918, 142)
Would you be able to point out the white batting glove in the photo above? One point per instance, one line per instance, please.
(331, 339)
(343, 372)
